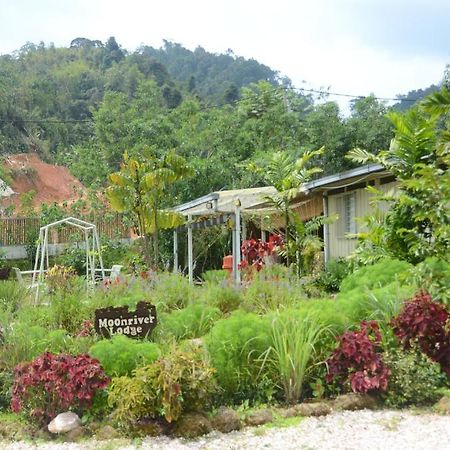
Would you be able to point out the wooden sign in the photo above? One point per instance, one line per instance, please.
(134, 324)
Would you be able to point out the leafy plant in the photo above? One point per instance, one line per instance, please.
(425, 323)
(293, 350)
(357, 361)
(236, 345)
(376, 275)
(432, 274)
(181, 380)
(121, 355)
(12, 294)
(53, 383)
(194, 321)
(226, 298)
(335, 271)
(60, 278)
(414, 379)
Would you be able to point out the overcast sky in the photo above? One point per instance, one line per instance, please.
(385, 47)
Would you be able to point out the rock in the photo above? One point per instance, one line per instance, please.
(64, 422)
(75, 435)
(192, 425)
(226, 420)
(259, 417)
(443, 405)
(313, 409)
(106, 432)
(353, 402)
(147, 427)
(287, 412)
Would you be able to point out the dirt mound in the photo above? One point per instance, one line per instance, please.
(51, 183)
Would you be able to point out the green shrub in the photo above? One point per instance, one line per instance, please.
(172, 291)
(12, 294)
(226, 298)
(414, 380)
(179, 381)
(433, 275)
(294, 337)
(267, 294)
(236, 346)
(191, 322)
(331, 278)
(215, 276)
(121, 355)
(377, 275)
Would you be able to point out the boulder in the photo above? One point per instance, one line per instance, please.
(148, 427)
(192, 425)
(64, 422)
(259, 417)
(443, 405)
(106, 432)
(75, 435)
(313, 409)
(226, 420)
(287, 412)
(353, 402)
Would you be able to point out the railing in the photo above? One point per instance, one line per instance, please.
(20, 230)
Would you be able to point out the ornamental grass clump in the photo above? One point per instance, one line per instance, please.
(293, 353)
(357, 360)
(51, 384)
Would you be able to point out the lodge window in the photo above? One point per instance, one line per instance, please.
(346, 209)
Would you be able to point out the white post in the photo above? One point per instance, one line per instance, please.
(237, 243)
(100, 259)
(36, 259)
(326, 232)
(175, 251)
(190, 251)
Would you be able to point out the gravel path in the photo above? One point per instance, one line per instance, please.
(358, 430)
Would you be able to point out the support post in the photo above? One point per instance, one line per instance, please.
(237, 243)
(326, 232)
(175, 251)
(190, 251)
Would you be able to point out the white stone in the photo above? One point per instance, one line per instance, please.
(64, 422)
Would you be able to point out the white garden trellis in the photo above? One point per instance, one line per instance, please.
(91, 242)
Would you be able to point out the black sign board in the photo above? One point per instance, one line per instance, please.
(134, 324)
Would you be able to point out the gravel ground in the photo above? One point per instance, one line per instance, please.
(359, 430)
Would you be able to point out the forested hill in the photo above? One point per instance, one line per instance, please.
(83, 106)
(213, 76)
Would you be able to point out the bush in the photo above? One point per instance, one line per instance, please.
(433, 276)
(331, 278)
(194, 321)
(357, 362)
(54, 383)
(375, 276)
(414, 379)
(236, 346)
(172, 290)
(268, 294)
(12, 294)
(226, 298)
(425, 323)
(121, 355)
(179, 381)
(293, 350)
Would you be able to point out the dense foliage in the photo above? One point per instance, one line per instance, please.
(51, 384)
(425, 322)
(357, 361)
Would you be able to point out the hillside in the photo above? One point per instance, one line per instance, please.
(50, 183)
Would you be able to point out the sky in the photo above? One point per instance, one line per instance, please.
(357, 47)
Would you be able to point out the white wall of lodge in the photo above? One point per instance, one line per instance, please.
(350, 206)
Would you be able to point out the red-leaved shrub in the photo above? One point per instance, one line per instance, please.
(51, 384)
(356, 360)
(426, 323)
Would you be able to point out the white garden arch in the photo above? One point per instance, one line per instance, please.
(92, 246)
